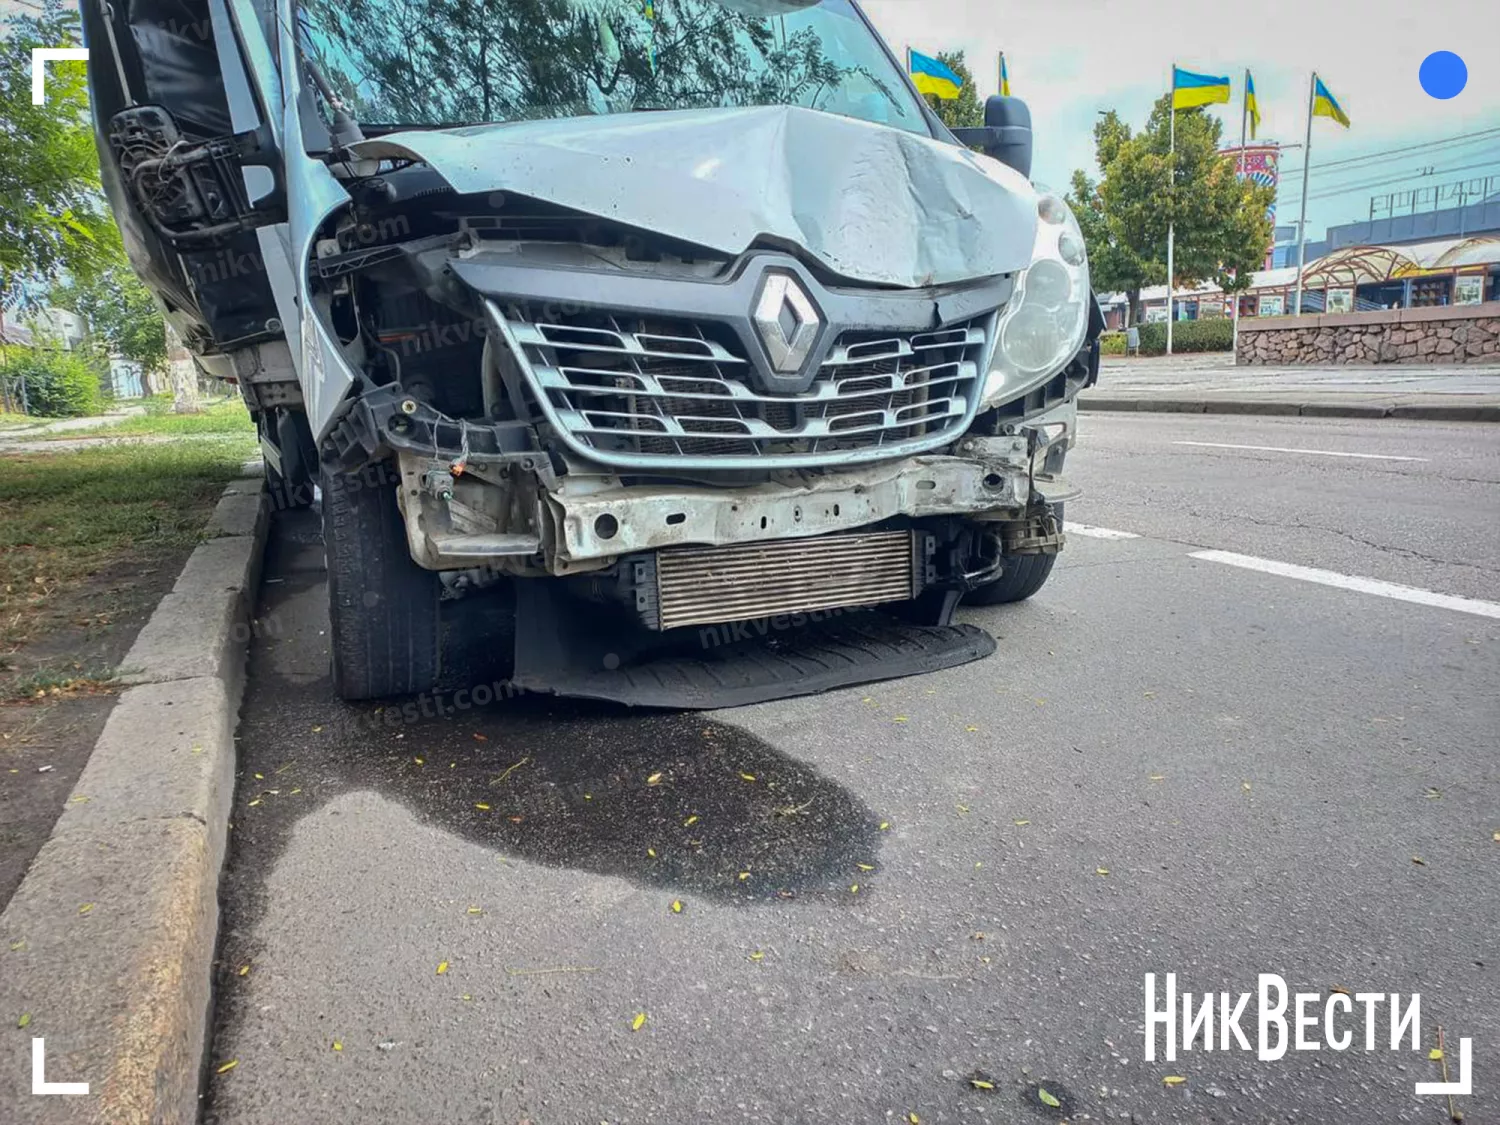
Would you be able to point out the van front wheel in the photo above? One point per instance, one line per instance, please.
(382, 607)
(1023, 576)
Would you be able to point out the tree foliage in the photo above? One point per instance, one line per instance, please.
(52, 213)
(1222, 224)
(965, 111)
(123, 319)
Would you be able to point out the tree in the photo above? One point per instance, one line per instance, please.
(122, 317)
(52, 213)
(965, 111)
(1222, 222)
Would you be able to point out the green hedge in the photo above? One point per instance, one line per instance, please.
(58, 384)
(1188, 336)
(1112, 343)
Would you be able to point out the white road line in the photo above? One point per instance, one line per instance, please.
(1353, 582)
(1313, 452)
(1097, 532)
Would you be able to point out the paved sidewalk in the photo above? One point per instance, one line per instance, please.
(1210, 384)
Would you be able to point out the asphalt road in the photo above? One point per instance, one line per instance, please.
(1173, 764)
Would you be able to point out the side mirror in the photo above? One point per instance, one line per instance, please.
(1006, 134)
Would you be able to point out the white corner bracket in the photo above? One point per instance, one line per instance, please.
(1465, 1083)
(39, 1083)
(40, 57)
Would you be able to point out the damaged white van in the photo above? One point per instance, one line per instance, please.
(611, 331)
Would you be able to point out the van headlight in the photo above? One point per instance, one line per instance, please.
(1043, 326)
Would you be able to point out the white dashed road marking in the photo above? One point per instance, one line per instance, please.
(1312, 452)
(1097, 532)
(1353, 582)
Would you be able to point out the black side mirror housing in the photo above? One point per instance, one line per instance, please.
(1006, 134)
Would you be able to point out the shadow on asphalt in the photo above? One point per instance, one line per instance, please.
(671, 801)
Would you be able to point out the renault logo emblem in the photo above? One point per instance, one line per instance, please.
(787, 322)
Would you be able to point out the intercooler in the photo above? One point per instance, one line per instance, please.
(716, 585)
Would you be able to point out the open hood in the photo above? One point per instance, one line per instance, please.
(872, 204)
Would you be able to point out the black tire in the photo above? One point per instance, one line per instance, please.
(1024, 575)
(292, 487)
(382, 607)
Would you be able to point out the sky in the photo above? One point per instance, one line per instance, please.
(1069, 59)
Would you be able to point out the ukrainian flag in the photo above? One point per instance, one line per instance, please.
(1252, 107)
(932, 77)
(1004, 77)
(1324, 104)
(1190, 90)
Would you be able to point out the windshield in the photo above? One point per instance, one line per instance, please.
(430, 63)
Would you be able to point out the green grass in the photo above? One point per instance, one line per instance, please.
(220, 418)
(9, 421)
(66, 516)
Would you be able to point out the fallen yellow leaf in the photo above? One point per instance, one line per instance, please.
(245, 969)
(864, 866)
(1047, 1097)
(677, 906)
(744, 875)
(651, 852)
(757, 956)
(899, 719)
(1245, 785)
(317, 730)
(971, 730)
(225, 1068)
(639, 1021)
(255, 802)
(981, 1084)
(24, 1020)
(914, 1119)
(481, 806)
(854, 889)
(419, 761)
(442, 968)
(476, 910)
(690, 821)
(337, 1045)
(884, 824)
(85, 908)
(1435, 1054)
(260, 777)
(1419, 861)
(747, 777)
(1020, 823)
(1101, 871)
(654, 779)
(1173, 1080)
(1158, 777)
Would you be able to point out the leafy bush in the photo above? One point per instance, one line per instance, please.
(1112, 343)
(58, 384)
(1188, 336)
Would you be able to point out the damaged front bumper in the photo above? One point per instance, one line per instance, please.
(514, 514)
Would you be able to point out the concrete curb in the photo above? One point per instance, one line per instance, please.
(110, 939)
(1430, 412)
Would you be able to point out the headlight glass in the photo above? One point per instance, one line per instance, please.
(1043, 326)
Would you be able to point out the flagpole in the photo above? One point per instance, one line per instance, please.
(1244, 120)
(1171, 198)
(1312, 99)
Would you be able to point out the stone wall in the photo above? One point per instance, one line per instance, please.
(1450, 334)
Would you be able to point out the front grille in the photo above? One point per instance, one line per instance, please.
(714, 585)
(636, 391)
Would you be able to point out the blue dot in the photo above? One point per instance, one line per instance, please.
(1443, 75)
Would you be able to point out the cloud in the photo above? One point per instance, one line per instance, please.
(1071, 58)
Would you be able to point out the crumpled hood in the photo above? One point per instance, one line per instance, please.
(871, 203)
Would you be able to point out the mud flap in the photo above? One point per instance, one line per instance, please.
(570, 649)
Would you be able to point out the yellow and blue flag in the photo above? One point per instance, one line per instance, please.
(1252, 107)
(1004, 77)
(932, 77)
(1190, 90)
(1324, 104)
